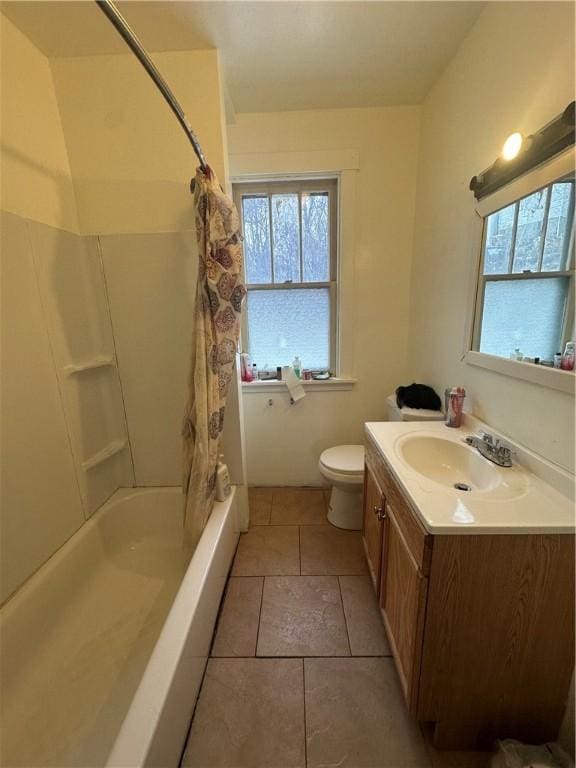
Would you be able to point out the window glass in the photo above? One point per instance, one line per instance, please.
(286, 238)
(525, 315)
(315, 237)
(257, 257)
(499, 230)
(531, 212)
(558, 228)
(283, 324)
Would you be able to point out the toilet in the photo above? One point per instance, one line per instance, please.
(343, 467)
(410, 414)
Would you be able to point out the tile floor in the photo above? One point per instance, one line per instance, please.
(300, 674)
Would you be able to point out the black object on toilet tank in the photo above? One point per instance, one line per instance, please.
(418, 396)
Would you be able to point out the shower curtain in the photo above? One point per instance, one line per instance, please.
(219, 296)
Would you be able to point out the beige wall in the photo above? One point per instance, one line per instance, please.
(375, 266)
(35, 178)
(130, 159)
(514, 71)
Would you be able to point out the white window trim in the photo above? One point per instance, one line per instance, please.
(335, 384)
(343, 164)
(547, 173)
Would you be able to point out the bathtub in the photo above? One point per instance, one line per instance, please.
(104, 648)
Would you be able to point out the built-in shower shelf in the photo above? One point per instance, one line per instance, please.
(90, 365)
(106, 453)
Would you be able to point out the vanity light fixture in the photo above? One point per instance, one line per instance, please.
(522, 153)
(512, 146)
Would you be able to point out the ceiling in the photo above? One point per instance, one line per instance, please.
(276, 55)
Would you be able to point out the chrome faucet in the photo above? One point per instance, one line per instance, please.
(491, 448)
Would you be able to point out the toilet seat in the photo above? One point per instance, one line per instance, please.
(344, 462)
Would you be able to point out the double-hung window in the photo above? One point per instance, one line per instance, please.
(525, 301)
(290, 264)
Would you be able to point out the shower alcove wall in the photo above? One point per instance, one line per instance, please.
(98, 274)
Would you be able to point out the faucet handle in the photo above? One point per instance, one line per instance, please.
(487, 438)
(505, 454)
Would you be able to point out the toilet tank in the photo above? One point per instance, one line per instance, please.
(410, 414)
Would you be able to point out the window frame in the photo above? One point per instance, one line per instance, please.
(289, 185)
(566, 272)
(554, 170)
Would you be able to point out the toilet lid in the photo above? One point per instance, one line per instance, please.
(347, 459)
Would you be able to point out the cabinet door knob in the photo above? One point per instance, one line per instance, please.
(381, 514)
(377, 510)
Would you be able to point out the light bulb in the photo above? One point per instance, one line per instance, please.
(512, 146)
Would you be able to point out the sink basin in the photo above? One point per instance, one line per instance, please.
(449, 463)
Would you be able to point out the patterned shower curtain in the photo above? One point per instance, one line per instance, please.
(219, 296)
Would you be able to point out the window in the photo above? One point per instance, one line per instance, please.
(525, 296)
(290, 245)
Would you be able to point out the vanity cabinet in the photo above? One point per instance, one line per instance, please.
(372, 525)
(403, 590)
(481, 627)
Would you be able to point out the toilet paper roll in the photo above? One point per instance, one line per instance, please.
(293, 383)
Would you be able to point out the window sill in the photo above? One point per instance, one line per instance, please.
(332, 385)
(553, 378)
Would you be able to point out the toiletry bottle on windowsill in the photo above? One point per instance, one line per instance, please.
(245, 367)
(297, 365)
(568, 357)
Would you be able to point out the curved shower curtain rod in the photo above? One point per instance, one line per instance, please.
(115, 17)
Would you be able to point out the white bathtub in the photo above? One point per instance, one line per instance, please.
(104, 648)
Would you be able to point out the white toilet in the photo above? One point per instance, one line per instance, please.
(343, 466)
(410, 414)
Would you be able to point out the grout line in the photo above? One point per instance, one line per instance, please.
(264, 575)
(319, 656)
(344, 614)
(305, 525)
(304, 703)
(257, 575)
(259, 618)
(299, 552)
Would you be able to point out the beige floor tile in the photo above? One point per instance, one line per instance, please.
(260, 501)
(328, 550)
(238, 625)
(453, 759)
(268, 551)
(250, 714)
(363, 619)
(356, 716)
(298, 506)
(302, 616)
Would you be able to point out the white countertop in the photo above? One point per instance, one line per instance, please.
(524, 502)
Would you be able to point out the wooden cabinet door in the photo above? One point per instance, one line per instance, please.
(403, 602)
(372, 525)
